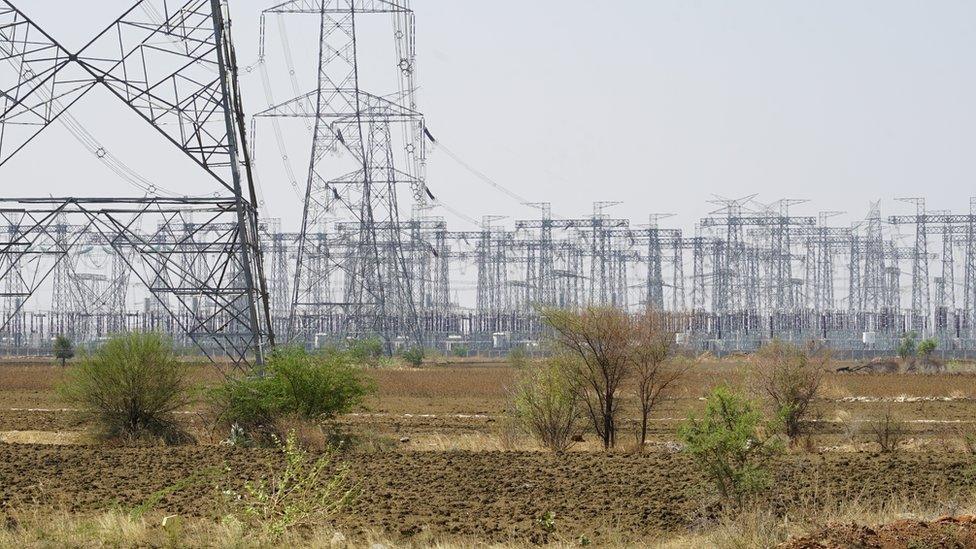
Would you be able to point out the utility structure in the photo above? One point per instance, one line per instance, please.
(948, 225)
(173, 64)
(377, 137)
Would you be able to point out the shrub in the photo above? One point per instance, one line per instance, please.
(414, 356)
(545, 403)
(926, 347)
(788, 378)
(307, 492)
(368, 351)
(517, 358)
(460, 351)
(907, 347)
(889, 431)
(297, 384)
(728, 445)
(64, 350)
(967, 438)
(133, 384)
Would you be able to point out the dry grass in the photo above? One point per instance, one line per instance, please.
(758, 527)
(754, 528)
(56, 438)
(444, 382)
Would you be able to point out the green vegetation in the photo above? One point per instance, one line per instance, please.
(367, 351)
(306, 493)
(546, 405)
(296, 384)
(64, 349)
(926, 347)
(908, 346)
(133, 384)
(414, 356)
(728, 444)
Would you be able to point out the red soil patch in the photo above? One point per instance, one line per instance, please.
(946, 532)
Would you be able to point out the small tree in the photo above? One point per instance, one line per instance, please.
(728, 445)
(907, 346)
(64, 350)
(926, 347)
(653, 375)
(597, 342)
(788, 378)
(133, 384)
(544, 403)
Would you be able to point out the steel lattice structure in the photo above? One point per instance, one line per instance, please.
(176, 71)
(371, 129)
(357, 265)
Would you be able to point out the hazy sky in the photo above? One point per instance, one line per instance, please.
(658, 104)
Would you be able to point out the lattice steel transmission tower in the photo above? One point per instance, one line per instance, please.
(366, 142)
(173, 64)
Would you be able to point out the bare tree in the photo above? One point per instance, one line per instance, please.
(654, 374)
(789, 378)
(889, 431)
(598, 343)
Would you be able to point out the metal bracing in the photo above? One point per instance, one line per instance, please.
(371, 128)
(177, 72)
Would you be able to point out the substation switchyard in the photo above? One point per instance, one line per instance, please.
(369, 257)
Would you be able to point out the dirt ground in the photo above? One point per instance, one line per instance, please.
(450, 466)
(947, 532)
(491, 496)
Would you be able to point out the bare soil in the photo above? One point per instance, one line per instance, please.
(947, 532)
(444, 475)
(494, 496)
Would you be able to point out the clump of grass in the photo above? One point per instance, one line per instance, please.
(306, 493)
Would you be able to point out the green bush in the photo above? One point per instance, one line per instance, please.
(297, 384)
(64, 350)
(545, 403)
(460, 351)
(368, 351)
(908, 345)
(728, 444)
(414, 356)
(132, 384)
(926, 347)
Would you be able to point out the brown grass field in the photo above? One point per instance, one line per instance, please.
(444, 469)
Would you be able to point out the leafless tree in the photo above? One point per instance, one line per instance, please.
(789, 378)
(654, 375)
(889, 431)
(598, 342)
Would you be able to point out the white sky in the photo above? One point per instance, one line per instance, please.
(658, 104)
